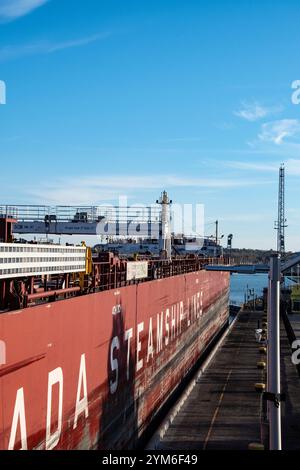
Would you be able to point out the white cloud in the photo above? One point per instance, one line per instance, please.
(277, 131)
(11, 9)
(263, 167)
(292, 166)
(255, 111)
(255, 217)
(94, 190)
(182, 139)
(77, 42)
(45, 47)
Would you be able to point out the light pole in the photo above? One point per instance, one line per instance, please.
(273, 393)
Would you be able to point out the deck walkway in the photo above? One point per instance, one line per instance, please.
(291, 386)
(223, 410)
(295, 322)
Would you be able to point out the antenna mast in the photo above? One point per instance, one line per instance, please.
(280, 224)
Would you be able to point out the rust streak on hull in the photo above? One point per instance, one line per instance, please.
(20, 365)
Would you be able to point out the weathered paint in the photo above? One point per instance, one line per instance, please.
(92, 371)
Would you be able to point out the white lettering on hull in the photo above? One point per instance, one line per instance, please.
(181, 316)
(165, 332)
(169, 325)
(150, 350)
(55, 377)
(128, 337)
(139, 362)
(173, 322)
(2, 353)
(115, 344)
(159, 330)
(81, 404)
(19, 416)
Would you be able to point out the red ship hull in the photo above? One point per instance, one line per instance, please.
(93, 371)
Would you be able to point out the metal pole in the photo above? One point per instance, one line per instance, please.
(274, 353)
(165, 244)
(268, 336)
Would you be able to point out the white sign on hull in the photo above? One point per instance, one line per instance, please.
(137, 270)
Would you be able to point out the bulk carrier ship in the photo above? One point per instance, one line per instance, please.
(92, 346)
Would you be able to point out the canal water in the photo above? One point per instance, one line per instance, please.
(239, 283)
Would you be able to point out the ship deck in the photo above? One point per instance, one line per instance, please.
(222, 410)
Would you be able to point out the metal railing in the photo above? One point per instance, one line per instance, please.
(39, 213)
(108, 276)
(107, 273)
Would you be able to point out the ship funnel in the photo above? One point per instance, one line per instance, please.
(165, 246)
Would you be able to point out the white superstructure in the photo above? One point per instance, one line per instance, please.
(21, 260)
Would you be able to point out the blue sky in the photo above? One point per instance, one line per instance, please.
(115, 97)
